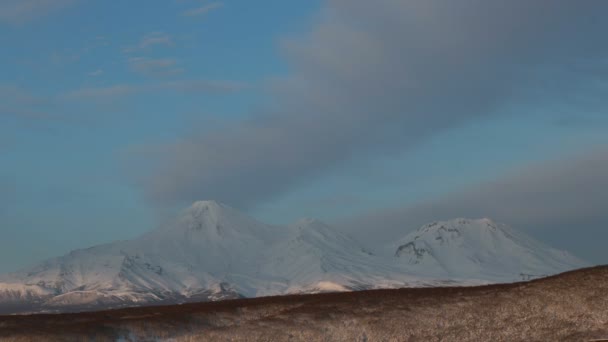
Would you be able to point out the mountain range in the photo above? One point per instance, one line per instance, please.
(212, 251)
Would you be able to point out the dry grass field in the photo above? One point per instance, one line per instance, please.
(569, 307)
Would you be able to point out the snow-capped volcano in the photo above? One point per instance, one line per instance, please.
(481, 249)
(211, 251)
(212, 237)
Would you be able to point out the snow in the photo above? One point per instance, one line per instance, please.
(14, 292)
(211, 251)
(481, 249)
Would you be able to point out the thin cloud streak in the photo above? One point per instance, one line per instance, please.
(152, 40)
(18, 102)
(117, 91)
(96, 73)
(203, 10)
(156, 38)
(18, 12)
(154, 67)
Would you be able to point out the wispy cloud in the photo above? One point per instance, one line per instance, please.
(212, 86)
(95, 43)
(18, 12)
(154, 67)
(16, 94)
(155, 38)
(150, 40)
(221, 86)
(69, 56)
(96, 73)
(118, 91)
(202, 10)
(101, 93)
(64, 58)
(16, 101)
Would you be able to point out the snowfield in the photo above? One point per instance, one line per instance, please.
(213, 252)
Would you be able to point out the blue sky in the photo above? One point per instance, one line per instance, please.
(114, 115)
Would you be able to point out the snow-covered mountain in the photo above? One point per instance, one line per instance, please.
(212, 252)
(481, 249)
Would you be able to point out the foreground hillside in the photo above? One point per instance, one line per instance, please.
(569, 307)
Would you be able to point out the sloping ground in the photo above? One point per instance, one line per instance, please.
(569, 307)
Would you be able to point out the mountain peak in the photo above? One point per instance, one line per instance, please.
(203, 211)
(209, 211)
(207, 222)
(472, 246)
(206, 205)
(458, 224)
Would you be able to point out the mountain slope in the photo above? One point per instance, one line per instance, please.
(481, 249)
(317, 258)
(194, 257)
(211, 251)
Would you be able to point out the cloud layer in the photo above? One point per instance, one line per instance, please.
(15, 101)
(376, 77)
(561, 202)
(22, 11)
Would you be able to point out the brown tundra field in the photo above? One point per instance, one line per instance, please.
(569, 307)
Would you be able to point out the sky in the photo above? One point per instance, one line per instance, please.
(377, 117)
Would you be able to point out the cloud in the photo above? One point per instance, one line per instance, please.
(63, 58)
(96, 73)
(95, 43)
(102, 93)
(18, 102)
(204, 86)
(13, 93)
(373, 78)
(150, 40)
(22, 103)
(16, 12)
(562, 202)
(155, 38)
(203, 10)
(114, 92)
(154, 67)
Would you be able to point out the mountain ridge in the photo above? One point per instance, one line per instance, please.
(212, 251)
